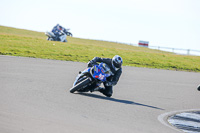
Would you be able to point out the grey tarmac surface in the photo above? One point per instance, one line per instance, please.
(35, 98)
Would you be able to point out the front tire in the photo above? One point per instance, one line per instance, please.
(69, 34)
(80, 85)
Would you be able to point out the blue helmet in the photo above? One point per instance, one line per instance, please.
(117, 62)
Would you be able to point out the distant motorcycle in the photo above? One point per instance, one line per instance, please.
(52, 37)
(91, 78)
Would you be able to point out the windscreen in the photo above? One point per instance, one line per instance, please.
(106, 68)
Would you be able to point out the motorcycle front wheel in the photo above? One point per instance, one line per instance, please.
(69, 34)
(80, 85)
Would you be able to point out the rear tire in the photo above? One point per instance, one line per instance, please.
(79, 85)
(50, 39)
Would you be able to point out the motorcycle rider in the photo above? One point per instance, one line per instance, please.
(58, 31)
(115, 65)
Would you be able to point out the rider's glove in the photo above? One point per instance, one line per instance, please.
(109, 84)
(90, 63)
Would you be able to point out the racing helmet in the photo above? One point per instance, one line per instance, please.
(117, 62)
(60, 27)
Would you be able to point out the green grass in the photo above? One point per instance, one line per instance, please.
(19, 42)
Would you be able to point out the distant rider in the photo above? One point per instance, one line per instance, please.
(115, 65)
(58, 31)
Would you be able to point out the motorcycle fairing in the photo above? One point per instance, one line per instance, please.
(99, 73)
(87, 70)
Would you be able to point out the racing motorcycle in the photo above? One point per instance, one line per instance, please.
(91, 78)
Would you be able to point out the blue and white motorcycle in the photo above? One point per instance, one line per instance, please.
(91, 78)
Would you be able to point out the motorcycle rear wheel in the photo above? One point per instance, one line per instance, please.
(80, 85)
(50, 39)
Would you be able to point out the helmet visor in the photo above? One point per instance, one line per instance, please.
(117, 65)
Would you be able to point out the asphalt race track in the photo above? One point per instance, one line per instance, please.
(35, 98)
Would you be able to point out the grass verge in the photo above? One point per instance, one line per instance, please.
(19, 42)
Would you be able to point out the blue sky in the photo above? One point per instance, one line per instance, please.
(166, 23)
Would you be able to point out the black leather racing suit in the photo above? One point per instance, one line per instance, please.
(112, 79)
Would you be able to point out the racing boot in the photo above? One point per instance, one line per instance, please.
(106, 92)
